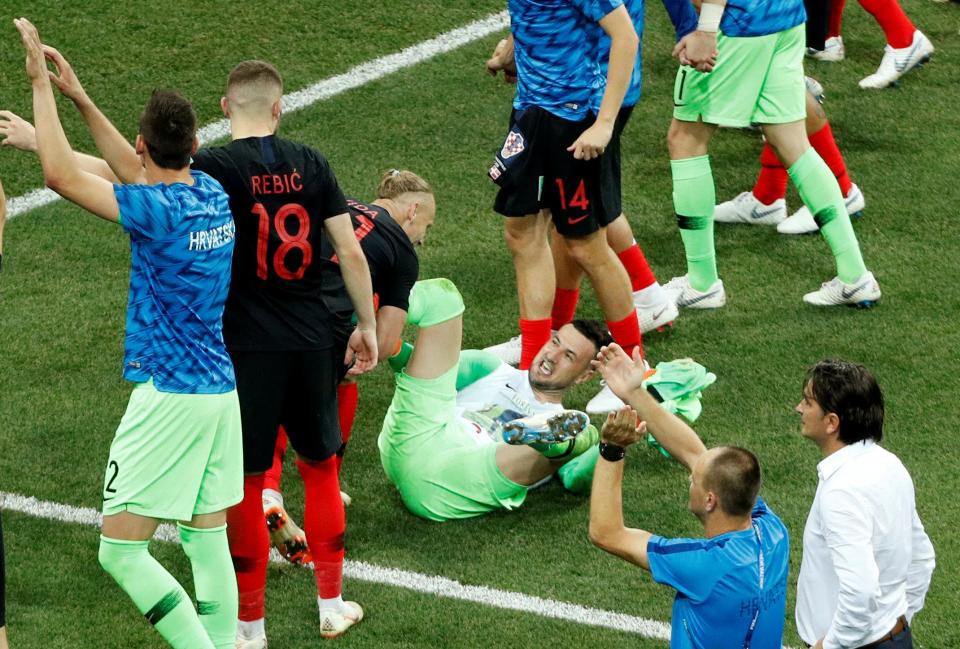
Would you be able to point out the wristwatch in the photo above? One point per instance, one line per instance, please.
(612, 452)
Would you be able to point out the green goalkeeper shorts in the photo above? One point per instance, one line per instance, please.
(757, 80)
(175, 455)
(440, 472)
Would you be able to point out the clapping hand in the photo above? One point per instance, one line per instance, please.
(622, 374)
(623, 428)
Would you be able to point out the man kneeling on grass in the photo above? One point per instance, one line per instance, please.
(732, 585)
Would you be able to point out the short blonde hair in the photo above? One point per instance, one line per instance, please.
(253, 83)
(400, 181)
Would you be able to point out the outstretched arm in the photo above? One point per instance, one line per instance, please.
(60, 169)
(607, 530)
(625, 378)
(116, 150)
(20, 134)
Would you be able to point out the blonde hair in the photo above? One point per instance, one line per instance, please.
(396, 182)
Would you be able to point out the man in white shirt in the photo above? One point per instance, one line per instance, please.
(867, 561)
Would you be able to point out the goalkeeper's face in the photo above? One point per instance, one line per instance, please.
(563, 361)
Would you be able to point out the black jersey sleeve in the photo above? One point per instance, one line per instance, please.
(330, 199)
(399, 282)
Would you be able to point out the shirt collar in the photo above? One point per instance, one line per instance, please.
(831, 464)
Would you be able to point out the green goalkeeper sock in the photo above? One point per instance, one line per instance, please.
(154, 592)
(571, 448)
(693, 201)
(399, 360)
(215, 582)
(820, 193)
(577, 474)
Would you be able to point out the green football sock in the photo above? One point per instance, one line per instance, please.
(434, 301)
(571, 448)
(577, 474)
(693, 201)
(399, 360)
(154, 592)
(215, 582)
(820, 193)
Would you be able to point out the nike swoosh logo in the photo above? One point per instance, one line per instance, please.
(659, 313)
(849, 294)
(700, 298)
(577, 220)
(759, 214)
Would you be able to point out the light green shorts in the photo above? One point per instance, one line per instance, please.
(175, 455)
(757, 80)
(441, 473)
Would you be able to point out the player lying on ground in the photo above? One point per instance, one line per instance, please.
(732, 585)
(442, 439)
(177, 453)
(765, 204)
(388, 229)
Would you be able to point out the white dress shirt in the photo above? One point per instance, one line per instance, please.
(866, 559)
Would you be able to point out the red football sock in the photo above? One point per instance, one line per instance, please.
(271, 479)
(772, 181)
(534, 334)
(836, 17)
(249, 548)
(626, 333)
(641, 275)
(564, 306)
(324, 522)
(825, 144)
(348, 397)
(893, 21)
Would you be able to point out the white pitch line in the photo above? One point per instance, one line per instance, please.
(362, 571)
(415, 581)
(322, 90)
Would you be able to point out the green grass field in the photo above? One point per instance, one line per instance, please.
(63, 293)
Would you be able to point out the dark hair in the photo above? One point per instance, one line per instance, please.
(594, 331)
(168, 126)
(254, 71)
(734, 475)
(849, 391)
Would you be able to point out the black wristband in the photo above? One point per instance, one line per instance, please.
(612, 452)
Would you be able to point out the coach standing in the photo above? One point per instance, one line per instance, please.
(867, 561)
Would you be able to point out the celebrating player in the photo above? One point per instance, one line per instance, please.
(549, 163)
(439, 442)
(765, 204)
(177, 452)
(751, 73)
(387, 229)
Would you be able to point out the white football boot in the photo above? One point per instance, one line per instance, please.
(509, 352)
(862, 293)
(897, 62)
(746, 208)
(685, 295)
(335, 622)
(657, 317)
(605, 400)
(832, 52)
(801, 221)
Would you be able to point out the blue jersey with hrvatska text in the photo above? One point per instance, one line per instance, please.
(718, 584)
(761, 17)
(181, 245)
(556, 54)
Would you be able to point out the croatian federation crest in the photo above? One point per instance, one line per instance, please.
(512, 145)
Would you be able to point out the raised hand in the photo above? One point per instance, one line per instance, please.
(17, 132)
(36, 64)
(623, 428)
(622, 374)
(64, 78)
